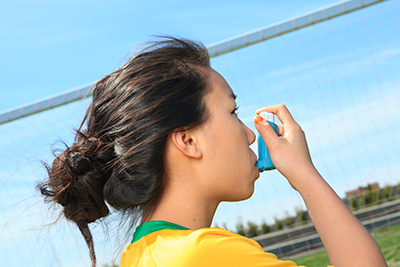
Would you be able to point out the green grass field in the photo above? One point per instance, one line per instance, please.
(388, 239)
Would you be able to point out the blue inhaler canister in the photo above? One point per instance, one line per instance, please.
(264, 162)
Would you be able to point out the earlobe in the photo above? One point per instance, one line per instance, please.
(186, 144)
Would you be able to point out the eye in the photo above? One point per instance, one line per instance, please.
(235, 111)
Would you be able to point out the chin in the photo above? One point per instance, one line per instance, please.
(248, 194)
(243, 196)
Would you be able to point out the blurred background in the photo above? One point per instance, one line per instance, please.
(335, 65)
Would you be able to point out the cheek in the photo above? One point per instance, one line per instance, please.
(227, 145)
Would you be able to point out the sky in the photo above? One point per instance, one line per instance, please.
(51, 46)
(338, 78)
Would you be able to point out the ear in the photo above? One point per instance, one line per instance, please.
(186, 143)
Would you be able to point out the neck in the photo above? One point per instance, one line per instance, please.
(181, 208)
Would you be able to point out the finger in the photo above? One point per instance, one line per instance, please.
(280, 111)
(281, 130)
(266, 131)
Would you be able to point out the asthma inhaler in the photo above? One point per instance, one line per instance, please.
(264, 162)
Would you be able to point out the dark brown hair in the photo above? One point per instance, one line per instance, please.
(118, 158)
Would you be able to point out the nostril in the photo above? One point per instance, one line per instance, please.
(252, 138)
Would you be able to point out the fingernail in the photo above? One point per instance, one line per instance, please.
(257, 119)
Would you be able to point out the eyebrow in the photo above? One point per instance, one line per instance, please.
(233, 96)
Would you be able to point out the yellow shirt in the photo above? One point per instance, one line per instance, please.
(210, 247)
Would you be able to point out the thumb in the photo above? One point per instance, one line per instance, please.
(267, 132)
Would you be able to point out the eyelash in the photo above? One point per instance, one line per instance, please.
(235, 110)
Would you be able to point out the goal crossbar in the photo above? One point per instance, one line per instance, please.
(216, 49)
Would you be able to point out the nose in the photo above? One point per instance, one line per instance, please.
(251, 137)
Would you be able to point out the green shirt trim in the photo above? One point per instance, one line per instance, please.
(153, 226)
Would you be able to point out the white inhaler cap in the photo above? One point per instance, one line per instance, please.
(268, 116)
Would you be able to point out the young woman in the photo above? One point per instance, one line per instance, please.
(163, 144)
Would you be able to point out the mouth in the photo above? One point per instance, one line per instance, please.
(254, 157)
(254, 160)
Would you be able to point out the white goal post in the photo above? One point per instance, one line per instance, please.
(216, 49)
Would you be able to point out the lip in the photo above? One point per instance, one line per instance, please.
(254, 160)
(254, 156)
(258, 172)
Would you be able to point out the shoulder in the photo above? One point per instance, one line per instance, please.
(218, 247)
(203, 247)
(220, 239)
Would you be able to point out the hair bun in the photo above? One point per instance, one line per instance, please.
(79, 163)
(77, 178)
(85, 154)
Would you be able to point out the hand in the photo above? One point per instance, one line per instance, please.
(289, 153)
(346, 241)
